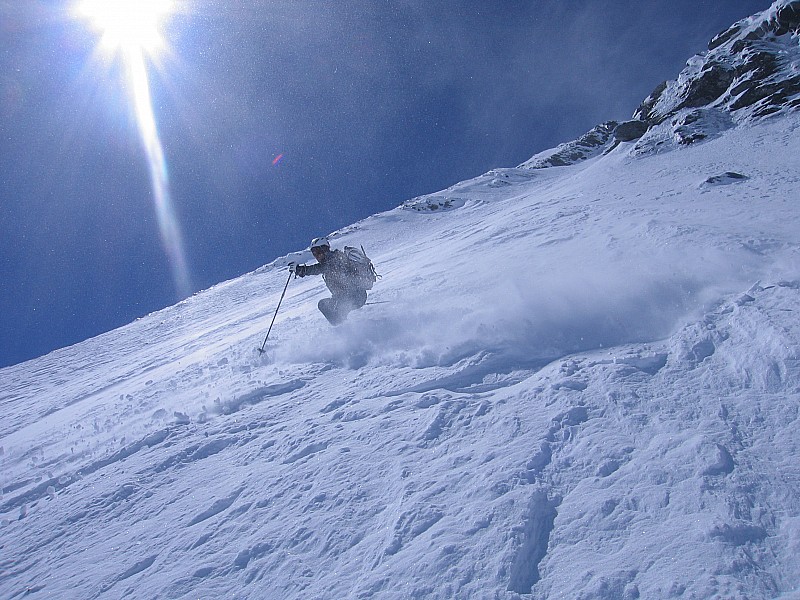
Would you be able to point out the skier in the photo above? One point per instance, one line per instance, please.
(347, 274)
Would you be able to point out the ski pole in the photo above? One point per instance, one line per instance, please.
(261, 350)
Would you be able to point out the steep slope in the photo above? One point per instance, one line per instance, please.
(567, 392)
(577, 382)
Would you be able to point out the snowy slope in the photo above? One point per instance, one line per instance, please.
(581, 382)
(577, 388)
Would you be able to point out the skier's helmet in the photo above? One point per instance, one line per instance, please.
(320, 242)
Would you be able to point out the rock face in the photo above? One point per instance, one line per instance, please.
(592, 143)
(782, 18)
(630, 130)
(751, 71)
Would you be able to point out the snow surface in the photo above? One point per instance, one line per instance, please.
(580, 382)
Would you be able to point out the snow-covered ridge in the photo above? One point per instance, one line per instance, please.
(751, 71)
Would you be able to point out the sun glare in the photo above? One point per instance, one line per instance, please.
(128, 25)
(132, 30)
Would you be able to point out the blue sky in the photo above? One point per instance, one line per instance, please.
(280, 121)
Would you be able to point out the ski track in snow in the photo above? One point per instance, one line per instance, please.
(576, 389)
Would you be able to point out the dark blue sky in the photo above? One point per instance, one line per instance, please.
(369, 104)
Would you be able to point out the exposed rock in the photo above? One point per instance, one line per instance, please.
(593, 143)
(700, 124)
(713, 81)
(433, 202)
(725, 36)
(645, 108)
(630, 130)
(751, 93)
(751, 71)
(788, 19)
(687, 127)
(726, 178)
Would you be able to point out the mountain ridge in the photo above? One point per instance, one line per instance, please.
(750, 71)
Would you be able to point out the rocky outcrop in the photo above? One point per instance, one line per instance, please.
(782, 18)
(592, 143)
(628, 131)
(751, 71)
(689, 126)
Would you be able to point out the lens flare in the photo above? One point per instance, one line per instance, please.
(132, 29)
(171, 236)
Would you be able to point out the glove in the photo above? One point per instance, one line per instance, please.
(296, 269)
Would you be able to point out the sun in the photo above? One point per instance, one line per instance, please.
(128, 25)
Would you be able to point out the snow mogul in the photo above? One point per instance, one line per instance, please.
(348, 273)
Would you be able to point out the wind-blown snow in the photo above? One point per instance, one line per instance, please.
(580, 382)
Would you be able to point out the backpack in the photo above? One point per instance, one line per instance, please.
(362, 271)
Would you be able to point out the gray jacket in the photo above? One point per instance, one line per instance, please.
(337, 272)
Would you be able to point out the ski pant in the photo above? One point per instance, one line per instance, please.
(338, 306)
